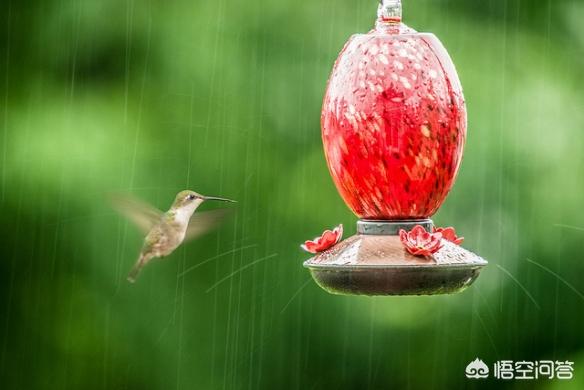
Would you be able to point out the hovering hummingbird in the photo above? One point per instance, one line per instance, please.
(166, 231)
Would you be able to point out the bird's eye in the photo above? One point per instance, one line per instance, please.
(191, 197)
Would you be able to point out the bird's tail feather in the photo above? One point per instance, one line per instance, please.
(142, 260)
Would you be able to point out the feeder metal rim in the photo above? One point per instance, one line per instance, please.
(364, 267)
(391, 227)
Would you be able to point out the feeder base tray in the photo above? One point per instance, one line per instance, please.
(374, 262)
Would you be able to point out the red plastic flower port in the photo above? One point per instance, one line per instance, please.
(448, 233)
(419, 242)
(325, 241)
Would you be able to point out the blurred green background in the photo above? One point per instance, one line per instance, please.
(224, 97)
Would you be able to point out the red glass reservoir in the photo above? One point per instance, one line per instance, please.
(393, 123)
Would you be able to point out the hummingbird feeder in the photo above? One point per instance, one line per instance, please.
(393, 130)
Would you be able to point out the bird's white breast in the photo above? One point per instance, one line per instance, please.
(182, 216)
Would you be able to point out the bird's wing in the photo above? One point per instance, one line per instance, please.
(143, 215)
(204, 221)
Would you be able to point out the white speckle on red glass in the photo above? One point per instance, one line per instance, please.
(405, 82)
(425, 130)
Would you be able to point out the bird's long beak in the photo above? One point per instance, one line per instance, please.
(217, 198)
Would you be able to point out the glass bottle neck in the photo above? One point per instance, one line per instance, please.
(389, 18)
(389, 11)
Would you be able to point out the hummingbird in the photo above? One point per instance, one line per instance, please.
(166, 231)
